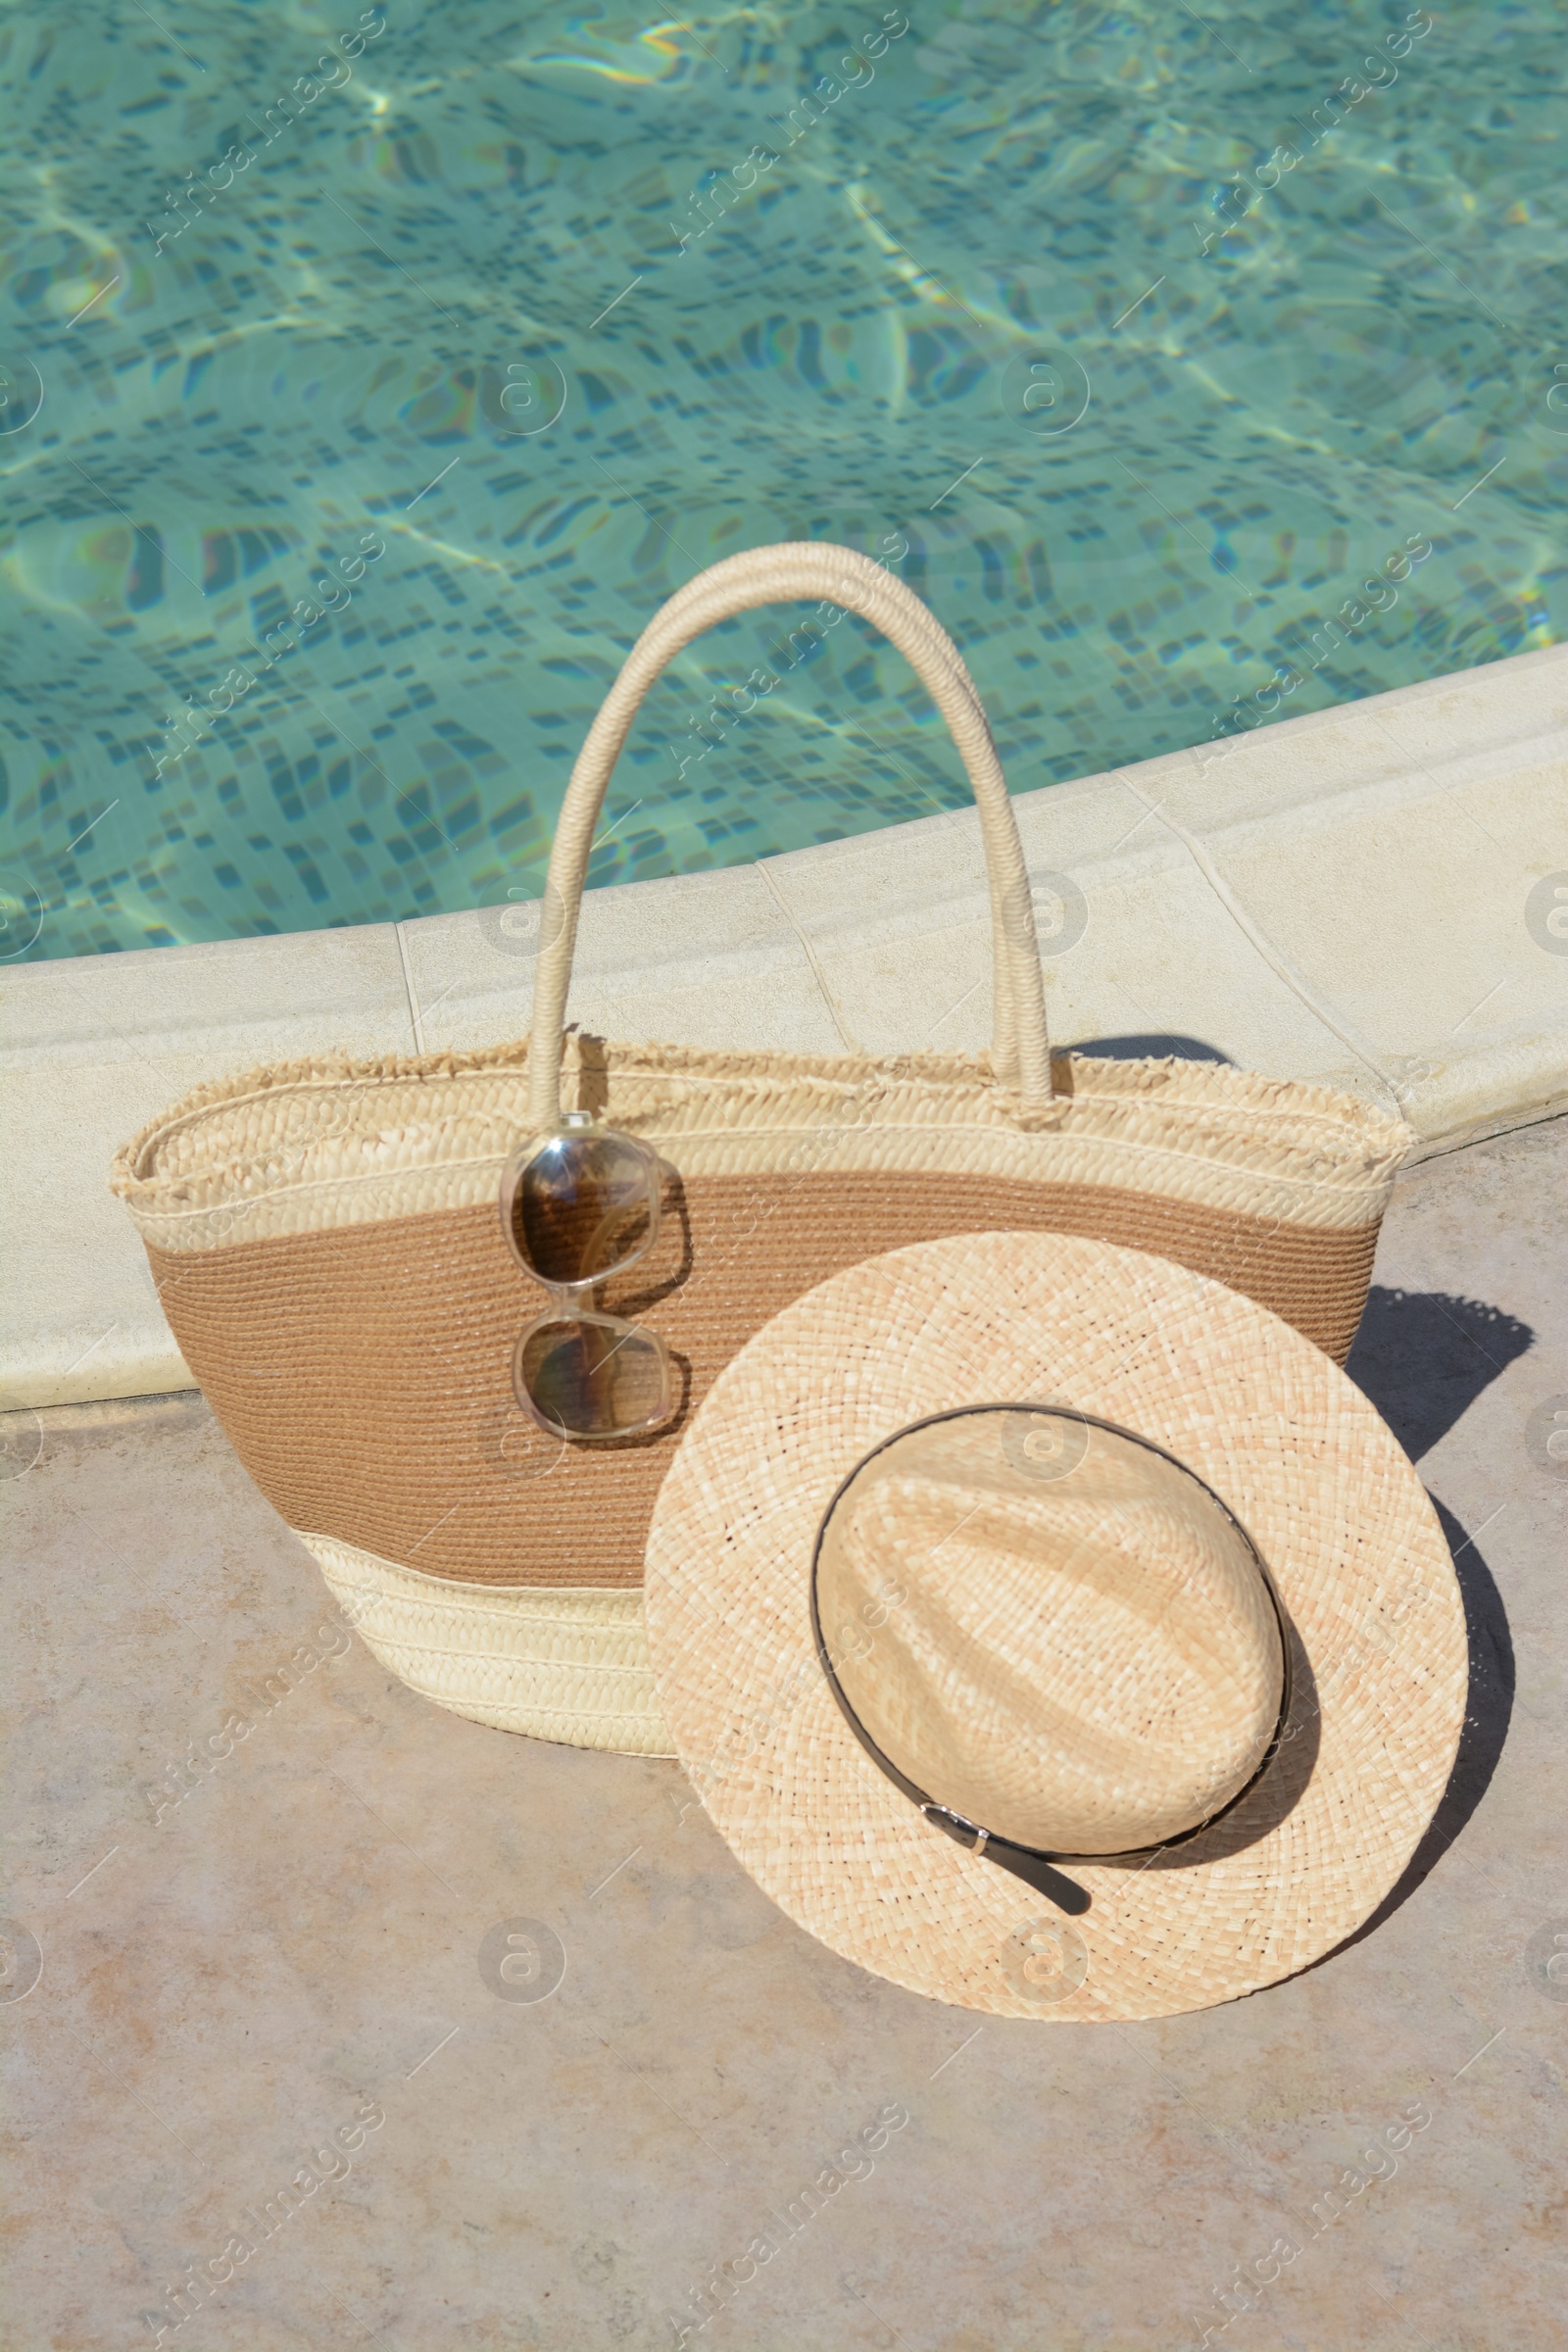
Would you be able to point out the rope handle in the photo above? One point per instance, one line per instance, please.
(783, 574)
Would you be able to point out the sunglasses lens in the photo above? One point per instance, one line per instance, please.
(593, 1377)
(578, 1206)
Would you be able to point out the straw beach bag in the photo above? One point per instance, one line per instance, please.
(327, 1246)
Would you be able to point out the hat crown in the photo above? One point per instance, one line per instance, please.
(1052, 1628)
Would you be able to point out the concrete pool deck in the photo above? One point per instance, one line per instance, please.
(209, 1974)
(1367, 896)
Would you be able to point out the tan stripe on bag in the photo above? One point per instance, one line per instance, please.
(363, 1374)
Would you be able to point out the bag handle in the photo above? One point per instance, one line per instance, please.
(766, 575)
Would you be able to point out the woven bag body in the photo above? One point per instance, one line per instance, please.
(329, 1251)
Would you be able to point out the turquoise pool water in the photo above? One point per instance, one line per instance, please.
(368, 377)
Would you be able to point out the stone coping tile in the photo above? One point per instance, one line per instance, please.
(1447, 976)
(700, 960)
(1344, 897)
(1489, 716)
(94, 1047)
(1134, 940)
(224, 998)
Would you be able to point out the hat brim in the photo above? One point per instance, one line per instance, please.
(1276, 1431)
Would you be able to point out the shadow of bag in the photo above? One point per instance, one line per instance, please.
(326, 1238)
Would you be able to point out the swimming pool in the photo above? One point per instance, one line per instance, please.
(367, 378)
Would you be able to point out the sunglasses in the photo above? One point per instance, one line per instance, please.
(578, 1205)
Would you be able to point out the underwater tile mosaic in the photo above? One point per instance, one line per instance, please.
(368, 376)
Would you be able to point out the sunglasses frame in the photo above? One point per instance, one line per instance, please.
(570, 1301)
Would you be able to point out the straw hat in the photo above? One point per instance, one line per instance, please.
(1176, 1601)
